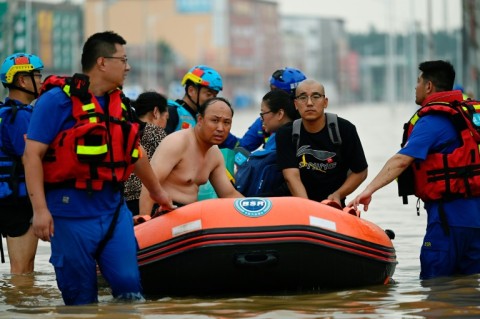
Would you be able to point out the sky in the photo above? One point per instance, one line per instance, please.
(385, 15)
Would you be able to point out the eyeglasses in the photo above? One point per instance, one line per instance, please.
(123, 59)
(314, 97)
(262, 114)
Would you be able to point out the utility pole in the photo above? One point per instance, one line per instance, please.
(413, 47)
(389, 55)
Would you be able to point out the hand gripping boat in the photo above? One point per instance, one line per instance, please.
(261, 245)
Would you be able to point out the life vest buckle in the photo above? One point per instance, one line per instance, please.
(79, 86)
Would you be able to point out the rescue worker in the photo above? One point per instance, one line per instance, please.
(21, 74)
(81, 146)
(441, 156)
(201, 83)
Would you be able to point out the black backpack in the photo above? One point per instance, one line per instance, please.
(333, 131)
(11, 167)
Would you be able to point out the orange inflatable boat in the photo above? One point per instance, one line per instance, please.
(261, 245)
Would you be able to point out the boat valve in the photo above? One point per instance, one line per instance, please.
(390, 234)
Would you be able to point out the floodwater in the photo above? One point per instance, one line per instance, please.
(379, 126)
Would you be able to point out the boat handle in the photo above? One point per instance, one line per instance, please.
(256, 259)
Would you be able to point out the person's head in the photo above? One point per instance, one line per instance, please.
(435, 76)
(22, 72)
(310, 100)
(214, 120)
(151, 107)
(277, 109)
(201, 83)
(104, 55)
(286, 79)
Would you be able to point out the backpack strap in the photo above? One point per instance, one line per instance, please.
(333, 131)
(79, 84)
(132, 117)
(296, 132)
(14, 109)
(332, 125)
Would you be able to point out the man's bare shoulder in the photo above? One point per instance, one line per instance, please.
(173, 144)
(215, 155)
(215, 151)
(182, 136)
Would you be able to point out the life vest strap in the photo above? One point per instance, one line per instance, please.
(453, 173)
(2, 254)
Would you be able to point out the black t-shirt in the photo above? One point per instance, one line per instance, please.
(323, 166)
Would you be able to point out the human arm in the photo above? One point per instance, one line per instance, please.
(32, 160)
(251, 140)
(390, 171)
(167, 155)
(431, 133)
(219, 179)
(145, 202)
(149, 180)
(351, 184)
(294, 182)
(254, 137)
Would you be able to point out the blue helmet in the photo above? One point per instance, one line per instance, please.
(287, 79)
(19, 62)
(205, 76)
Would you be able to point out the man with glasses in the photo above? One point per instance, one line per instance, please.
(81, 146)
(316, 168)
(20, 74)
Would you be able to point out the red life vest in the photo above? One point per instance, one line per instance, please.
(454, 175)
(100, 147)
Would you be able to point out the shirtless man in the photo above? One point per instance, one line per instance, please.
(188, 158)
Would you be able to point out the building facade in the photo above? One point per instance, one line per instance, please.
(319, 47)
(239, 38)
(54, 32)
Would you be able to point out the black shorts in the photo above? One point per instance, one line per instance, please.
(15, 216)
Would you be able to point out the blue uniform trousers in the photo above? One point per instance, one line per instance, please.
(457, 253)
(74, 249)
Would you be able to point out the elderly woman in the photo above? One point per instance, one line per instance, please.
(152, 115)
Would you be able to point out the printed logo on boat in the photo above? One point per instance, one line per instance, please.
(253, 207)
